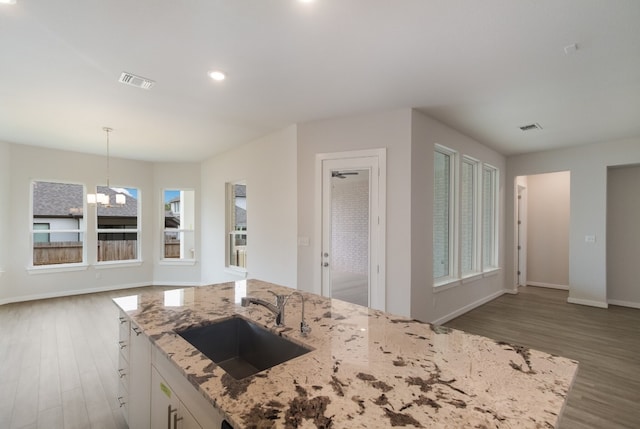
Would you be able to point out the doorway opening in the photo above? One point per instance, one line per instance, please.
(542, 220)
(351, 231)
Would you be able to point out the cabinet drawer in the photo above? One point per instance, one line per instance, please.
(123, 337)
(123, 400)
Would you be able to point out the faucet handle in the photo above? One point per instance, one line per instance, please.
(304, 328)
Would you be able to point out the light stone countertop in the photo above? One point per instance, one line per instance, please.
(368, 368)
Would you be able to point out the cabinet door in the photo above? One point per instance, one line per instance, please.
(139, 379)
(186, 419)
(164, 403)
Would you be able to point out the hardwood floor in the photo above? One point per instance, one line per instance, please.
(58, 363)
(606, 342)
(58, 357)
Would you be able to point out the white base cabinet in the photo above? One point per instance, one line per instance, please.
(153, 393)
(167, 411)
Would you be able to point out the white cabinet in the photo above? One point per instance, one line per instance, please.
(167, 411)
(123, 365)
(153, 393)
(193, 411)
(139, 379)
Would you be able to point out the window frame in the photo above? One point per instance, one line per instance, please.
(230, 230)
(494, 236)
(138, 231)
(81, 231)
(164, 260)
(452, 274)
(476, 236)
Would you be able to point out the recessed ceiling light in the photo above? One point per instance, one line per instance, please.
(306, 1)
(8, 1)
(217, 75)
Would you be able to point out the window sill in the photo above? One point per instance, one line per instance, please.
(177, 262)
(491, 272)
(472, 277)
(443, 285)
(118, 264)
(236, 271)
(61, 268)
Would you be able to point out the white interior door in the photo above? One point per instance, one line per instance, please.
(352, 227)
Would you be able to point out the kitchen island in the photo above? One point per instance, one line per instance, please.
(366, 368)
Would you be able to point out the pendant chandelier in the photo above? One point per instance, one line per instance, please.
(104, 199)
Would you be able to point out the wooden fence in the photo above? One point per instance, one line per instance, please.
(62, 252)
(68, 252)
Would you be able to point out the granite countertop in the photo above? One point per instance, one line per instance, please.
(367, 368)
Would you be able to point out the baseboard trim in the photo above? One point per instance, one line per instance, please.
(588, 302)
(548, 285)
(624, 303)
(469, 307)
(177, 284)
(61, 294)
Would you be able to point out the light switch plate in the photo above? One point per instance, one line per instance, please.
(590, 239)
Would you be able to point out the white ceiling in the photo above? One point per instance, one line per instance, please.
(483, 67)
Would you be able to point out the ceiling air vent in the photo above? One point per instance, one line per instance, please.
(137, 81)
(530, 127)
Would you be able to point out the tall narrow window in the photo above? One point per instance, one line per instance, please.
(489, 218)
(443, 213)
(237, 225)
(58, 225)
(179, 220)
(468, 217)
(118, 226)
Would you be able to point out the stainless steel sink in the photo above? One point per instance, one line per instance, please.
(240, 347)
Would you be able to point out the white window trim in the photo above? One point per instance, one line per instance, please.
(476, 262)
(230, 228)
(73, 266)
(496, 237)
(175, 261)
(453, 216)
(138, 230)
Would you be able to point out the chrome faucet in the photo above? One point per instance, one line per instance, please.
(278, 308)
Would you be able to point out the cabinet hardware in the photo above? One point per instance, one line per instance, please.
(136, 330)
(121, 372)
(122, 344)
(122, 320)
(121, 401)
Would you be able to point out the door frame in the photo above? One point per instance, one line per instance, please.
(377, 242)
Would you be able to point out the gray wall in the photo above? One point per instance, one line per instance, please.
(623, 236)
(548, 217)
(588, 166)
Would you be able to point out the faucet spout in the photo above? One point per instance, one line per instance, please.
(248, 300)
(278, 308)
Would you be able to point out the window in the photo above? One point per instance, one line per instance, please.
(118, 225)
(489, 217)
(469, 217)
(236, 225)
(443, 210)
(178, 238)
(58, 226)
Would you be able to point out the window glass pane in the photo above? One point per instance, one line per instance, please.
(237, 224)
(118, 223)
(441, 215)
(467, 217)
(179, 220)
(58, 219)
(489, 186)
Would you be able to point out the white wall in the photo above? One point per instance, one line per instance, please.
(391, 130)
(268, 165)
(175, 176)
(443, 304)
(588, 167)
(29, 163)
(548, 214)
(5, 195)
(623, 236)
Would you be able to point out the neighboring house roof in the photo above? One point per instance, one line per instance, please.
(57, 199)
(171, 220)
(240, 190)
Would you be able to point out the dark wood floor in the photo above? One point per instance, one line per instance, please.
(58, 357)
(606, 342)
